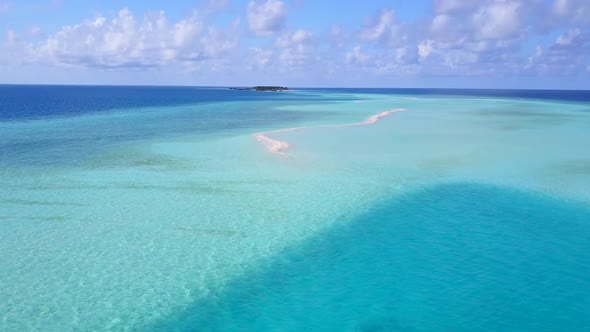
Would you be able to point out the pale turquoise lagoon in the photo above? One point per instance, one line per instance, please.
(462, 213)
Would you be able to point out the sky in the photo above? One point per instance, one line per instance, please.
(536, 44)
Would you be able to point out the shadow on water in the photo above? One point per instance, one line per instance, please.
(453, 257)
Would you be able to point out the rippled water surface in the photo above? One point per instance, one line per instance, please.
(155, 209)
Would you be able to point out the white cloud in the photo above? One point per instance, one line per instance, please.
(461, 37)
(35, 30)
(356, 56)
(266, 17)
(532, 60)
(568, 37)
(463, 21)
(440, 23)
(572, 11)
(425, 48)
(446, 28)
(383, 29)
(294, 57)
(11, 48)
(568, 55)
(406, 56)
(299, 36)
(260, 58)
(125, 42)
(10, 37)
(483, 36)
(538, 51)
(498, 20)
(560, 7)
(298, 49)
(338, 38)
(460, 59)
(380, 26)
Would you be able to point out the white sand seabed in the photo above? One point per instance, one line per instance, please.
(279, 147)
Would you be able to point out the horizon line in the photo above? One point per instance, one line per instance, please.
(290, 87)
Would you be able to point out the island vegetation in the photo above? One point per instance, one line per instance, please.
(263, 88)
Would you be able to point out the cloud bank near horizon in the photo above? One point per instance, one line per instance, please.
(526, 39)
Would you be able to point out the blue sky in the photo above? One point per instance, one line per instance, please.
(371, 43)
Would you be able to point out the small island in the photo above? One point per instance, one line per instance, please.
(264, 88)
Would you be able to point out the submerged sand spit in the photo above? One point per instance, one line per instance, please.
(279, 147)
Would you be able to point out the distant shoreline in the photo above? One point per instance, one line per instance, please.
(263, 88)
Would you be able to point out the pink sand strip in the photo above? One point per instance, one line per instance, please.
(278, 147)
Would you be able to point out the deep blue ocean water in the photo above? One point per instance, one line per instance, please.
(154, 209)
(33, 101)
(37, 101)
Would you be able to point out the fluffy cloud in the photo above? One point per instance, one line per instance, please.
(356, 56)
(126, 42)
(383, 29)
(568, 54)
(290, 51)
(425, 48)
(477, 37)
(260, 58)
(572, 11)
(568, 38)
(266, 17)
(489, 20)
(498, 20)
(460, 38)
(297, 49)
(10, 37)
(299, 36)
(9, 47)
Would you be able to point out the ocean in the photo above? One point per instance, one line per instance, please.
(208, 209)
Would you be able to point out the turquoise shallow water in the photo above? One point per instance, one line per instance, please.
(465, 212)
(451, 257)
